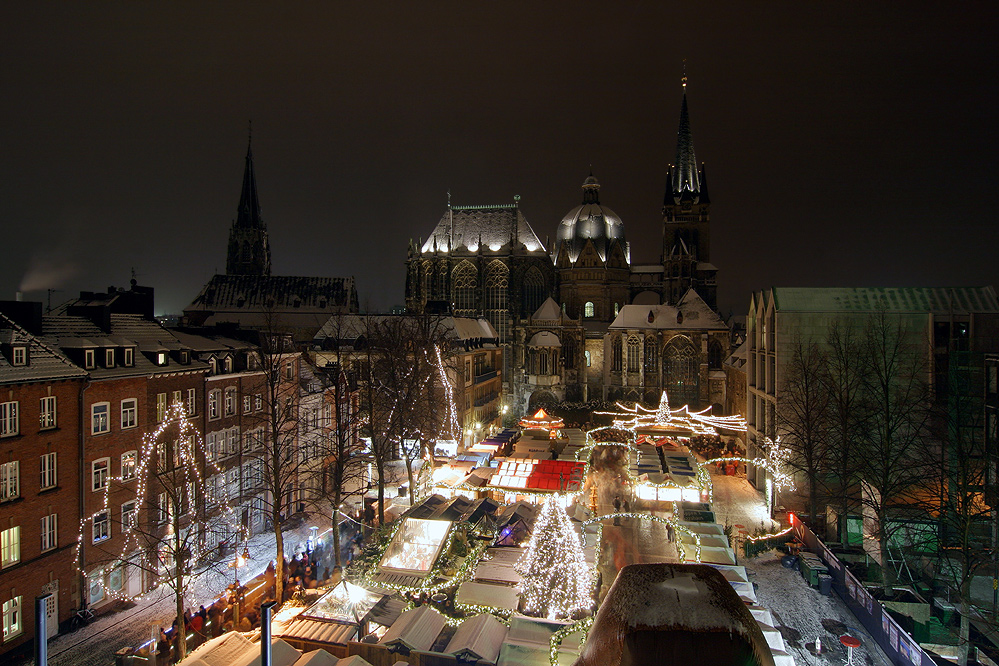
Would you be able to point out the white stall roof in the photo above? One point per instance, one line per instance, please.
(485, 594)
(720, 541)
(417, 629)
(496, 572)
(711, 555)
(702, 528)
(234, 649)
(479, 637)
(318, 658)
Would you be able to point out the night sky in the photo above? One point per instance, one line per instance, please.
(848, 144)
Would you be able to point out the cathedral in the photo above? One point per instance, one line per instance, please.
(579, 320)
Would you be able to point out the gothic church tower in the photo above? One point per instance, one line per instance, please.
(687, 222)
(249, 249)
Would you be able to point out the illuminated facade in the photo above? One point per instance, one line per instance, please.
(559, 311)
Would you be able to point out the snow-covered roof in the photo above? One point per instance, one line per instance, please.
(670, 598)
(479, 637)
(462, 228)
(548, 311)
(691, 313)
(417, 629)
(544, 339)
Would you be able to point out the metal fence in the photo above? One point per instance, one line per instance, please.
(900, 647)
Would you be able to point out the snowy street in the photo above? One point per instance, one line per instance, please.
(97, 643)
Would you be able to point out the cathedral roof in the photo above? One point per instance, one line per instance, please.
(590, 220)
(463, 227)
(549, 310)
(544, 339)
(939, 300)
(690, 313)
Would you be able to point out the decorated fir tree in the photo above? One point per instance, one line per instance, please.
(556, 579)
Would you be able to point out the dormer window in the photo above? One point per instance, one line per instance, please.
(109, 358)
(161, 358)
(19, 356)
(89, 359)
(129, 357)
(185, 357)
(228, 363)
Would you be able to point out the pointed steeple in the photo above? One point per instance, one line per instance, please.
(685, 179)
(249, 249)
(248, 213)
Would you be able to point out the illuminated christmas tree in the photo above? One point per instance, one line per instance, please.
(556, 579)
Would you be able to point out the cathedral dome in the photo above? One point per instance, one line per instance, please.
(589, 221)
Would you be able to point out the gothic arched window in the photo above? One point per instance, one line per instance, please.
(616, 353)
(464, 281)
(247, 254)
(532, 291)
(497, 283)
(588, 309)
(650, 356)
(715, 355)
(634, 348)
(681, 367)
(569, 352)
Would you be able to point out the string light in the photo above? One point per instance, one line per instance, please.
(667, 419)
(556, 579)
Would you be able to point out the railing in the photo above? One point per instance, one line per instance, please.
(901, 648)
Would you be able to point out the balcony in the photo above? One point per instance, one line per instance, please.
(485, 376)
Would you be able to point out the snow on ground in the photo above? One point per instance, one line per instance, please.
(800, 613)
(96, 644)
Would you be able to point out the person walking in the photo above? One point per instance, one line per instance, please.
(617, 509)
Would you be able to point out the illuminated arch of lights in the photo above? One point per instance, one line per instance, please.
(681, 420)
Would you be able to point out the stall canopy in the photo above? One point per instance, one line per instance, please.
(416, 546)
(541, 420)
(479, 637)
(416, 629)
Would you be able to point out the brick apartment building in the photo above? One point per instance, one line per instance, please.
(39, 479)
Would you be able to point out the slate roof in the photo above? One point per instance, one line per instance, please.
(127, 330)
(494, 225)
(275, 293)
(696, 315)
(44, 362)
(938, 300)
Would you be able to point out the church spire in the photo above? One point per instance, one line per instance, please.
(685, 179)
(249, 248)
(248, 213)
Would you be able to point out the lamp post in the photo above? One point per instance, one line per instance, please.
(237, 589)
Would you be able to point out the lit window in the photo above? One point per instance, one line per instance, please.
(246, 404)
(109, 358)
(9, 422)
(47, 412)
(164, 507)
(177, 398)
(49, 531)
(129, 461)
(586, 355)
(95, 586)
(89, 359)
(102, 527)
(192, 402)
(10, 546)
(161, 358)
(289, 371)
(588, 309)
(129, 357)
(19, 356)
(232, 440)
(258, 403)
(99, 474)
(12, 620)
(230, 401)
(48, 471)
(10, 480)
(228, 364)
(213, 404)
(129, 409)
(128, 515)
(99, 418)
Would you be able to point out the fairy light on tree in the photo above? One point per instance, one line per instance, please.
(163, 519)
(556, 579)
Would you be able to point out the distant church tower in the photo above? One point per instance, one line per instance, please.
(249, 249)
(687, 222)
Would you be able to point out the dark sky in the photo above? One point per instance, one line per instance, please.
(845, 144)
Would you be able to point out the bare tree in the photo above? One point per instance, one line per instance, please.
(844, 378)
(956, 493)
(346, 460)
(803, 416)
(898, 407)
(174, 516)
